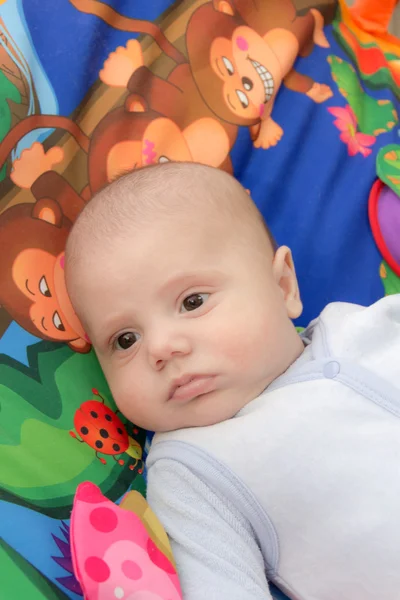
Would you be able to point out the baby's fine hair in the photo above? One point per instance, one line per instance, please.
(165, 191)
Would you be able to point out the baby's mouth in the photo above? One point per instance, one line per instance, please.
(188, 387)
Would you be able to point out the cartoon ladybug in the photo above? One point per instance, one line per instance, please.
(101, 429)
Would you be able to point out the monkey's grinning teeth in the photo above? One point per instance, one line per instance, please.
(266, 79)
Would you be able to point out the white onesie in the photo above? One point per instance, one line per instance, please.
(302, 486)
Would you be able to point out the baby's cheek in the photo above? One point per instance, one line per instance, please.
(234, 343)
(138, 395)
(252, 345)
(125, 387)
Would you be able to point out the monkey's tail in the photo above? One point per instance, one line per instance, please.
(41, 122)
(118, 21)
(327, 8)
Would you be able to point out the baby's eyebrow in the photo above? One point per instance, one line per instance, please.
(208, 277)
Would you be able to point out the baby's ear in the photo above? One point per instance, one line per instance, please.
(285, 276)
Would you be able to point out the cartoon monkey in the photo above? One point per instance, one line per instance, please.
(33, 236)
(32, 284)
(128, 137)
(239, 53)
(133, 136)
(250, 58)
(225, 84)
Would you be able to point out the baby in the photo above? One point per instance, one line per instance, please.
(277, 457)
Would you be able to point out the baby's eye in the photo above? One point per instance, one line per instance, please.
(126, 340)
(193, 301)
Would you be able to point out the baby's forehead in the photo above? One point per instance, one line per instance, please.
(196, 231)
(166, 204)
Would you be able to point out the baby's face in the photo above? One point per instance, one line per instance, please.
(188, 325)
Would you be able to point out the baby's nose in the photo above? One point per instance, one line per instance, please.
(163, 348)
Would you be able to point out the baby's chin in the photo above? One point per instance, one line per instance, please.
(200, 418)
(204, 411)
(183, 422)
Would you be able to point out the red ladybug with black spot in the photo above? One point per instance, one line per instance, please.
(100, 428)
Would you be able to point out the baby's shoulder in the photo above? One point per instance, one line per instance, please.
(345, 321)
(368, 336)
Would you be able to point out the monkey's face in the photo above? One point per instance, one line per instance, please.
(162, 141)
(40, 277)
(249, 70)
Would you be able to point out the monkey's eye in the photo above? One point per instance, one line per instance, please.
(242, 98)
(228, 65)
(44, 288)
(163, 159)
(58, 324)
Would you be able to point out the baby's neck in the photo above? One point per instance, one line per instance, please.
(296, 349)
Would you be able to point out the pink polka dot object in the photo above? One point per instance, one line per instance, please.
(113, 555)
